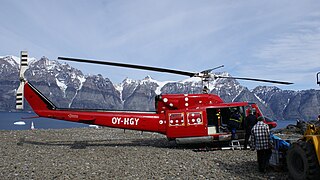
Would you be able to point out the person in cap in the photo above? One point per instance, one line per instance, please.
(261, 142)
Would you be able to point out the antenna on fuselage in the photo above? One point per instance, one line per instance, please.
(20, 91)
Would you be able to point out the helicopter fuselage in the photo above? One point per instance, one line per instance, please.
(178, 116)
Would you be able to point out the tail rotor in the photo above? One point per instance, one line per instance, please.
(20, 91)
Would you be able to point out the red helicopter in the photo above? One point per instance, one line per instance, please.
(185, 118)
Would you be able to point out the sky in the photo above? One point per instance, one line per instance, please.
(268, 39)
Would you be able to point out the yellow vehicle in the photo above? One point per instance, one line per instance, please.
(303, 157)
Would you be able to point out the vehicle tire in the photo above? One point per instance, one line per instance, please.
(302, 161)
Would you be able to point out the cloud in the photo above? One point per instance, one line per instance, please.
(294, 55)
(262, 39)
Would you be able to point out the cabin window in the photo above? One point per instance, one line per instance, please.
(194, 118)
(176, 119)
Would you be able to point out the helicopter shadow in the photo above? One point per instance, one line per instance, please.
(82, 144)
(138, 142)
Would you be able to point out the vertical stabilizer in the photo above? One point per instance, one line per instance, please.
(23, 68)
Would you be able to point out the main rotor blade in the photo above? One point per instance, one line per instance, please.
(185, 73)
(255, 79)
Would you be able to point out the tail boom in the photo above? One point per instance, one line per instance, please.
(144, 121)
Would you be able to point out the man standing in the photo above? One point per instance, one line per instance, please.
(250, 121)
(234, 123)
(261, 141)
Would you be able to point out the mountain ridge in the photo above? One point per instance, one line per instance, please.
(68, 87)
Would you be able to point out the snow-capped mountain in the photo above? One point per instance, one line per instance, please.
(68, 87)
(8, 66)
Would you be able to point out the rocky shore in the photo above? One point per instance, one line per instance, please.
(106, 153)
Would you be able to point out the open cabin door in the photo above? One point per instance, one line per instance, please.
(217, 119)
(212, 118)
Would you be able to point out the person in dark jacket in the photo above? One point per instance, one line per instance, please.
(250, 121)
(234, 123)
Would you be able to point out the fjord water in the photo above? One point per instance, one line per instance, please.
(7, 120)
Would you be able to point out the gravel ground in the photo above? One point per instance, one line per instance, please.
(107, 153)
